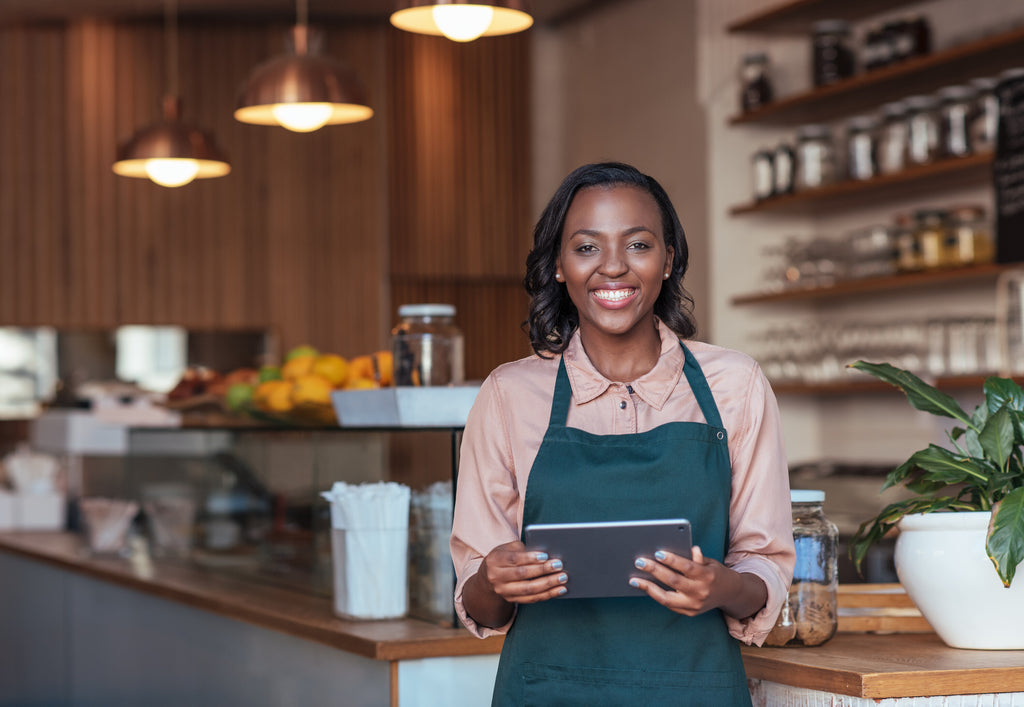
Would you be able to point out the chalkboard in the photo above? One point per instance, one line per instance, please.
(1008, 171)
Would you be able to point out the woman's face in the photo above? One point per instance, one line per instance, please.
(613, 259)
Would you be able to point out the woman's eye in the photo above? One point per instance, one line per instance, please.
(639, 245)
(586, 248)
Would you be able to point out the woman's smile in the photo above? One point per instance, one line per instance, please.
(614, 298)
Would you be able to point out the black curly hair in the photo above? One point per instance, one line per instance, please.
(553, 317)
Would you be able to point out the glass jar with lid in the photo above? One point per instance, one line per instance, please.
(892, 140)
(755, 86)
(815, 157)
(984, 121)
(908, 248)
(783, 169)
(970, 235)
(956, 104)
(810, 616)
(931, 231)
(427, 347)
(762, 164)
(922, 129)
(861, 143)
(832, 58)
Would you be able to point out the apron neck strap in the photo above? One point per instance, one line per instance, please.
(694, 376)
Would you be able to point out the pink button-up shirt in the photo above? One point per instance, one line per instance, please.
(510, 416)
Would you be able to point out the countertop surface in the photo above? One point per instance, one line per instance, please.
(858, 664)
(290, 611)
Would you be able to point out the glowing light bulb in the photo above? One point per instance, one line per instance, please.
(462, 23)
(172, 172)
(302, 117)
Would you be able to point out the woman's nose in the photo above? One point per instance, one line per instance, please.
(614, 262)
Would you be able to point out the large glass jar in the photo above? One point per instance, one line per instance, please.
(934, 238)
(784, 169)
(892, 142)
(922, 129)
(427, 346)
(763, 174)
(815, 157)
(985, 115)
(756, 87)
(810, 616)
(955, 109)
(971, 236)
(861, 142)
(832, 57)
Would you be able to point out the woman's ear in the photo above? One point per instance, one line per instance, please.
(670, 254)
(558, 270)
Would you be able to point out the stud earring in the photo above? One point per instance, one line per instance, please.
(558, 276)
(665, 276)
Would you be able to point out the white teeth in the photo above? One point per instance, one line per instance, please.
(613, 295)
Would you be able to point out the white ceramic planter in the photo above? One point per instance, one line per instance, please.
(941, 562)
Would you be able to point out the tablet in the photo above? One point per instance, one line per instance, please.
(599, 557)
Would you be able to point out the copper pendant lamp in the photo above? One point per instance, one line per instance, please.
(169, 152)
(462, 20)
(302, 90)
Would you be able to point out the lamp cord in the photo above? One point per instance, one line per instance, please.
(171, 45)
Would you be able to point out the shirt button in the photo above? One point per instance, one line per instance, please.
(622, 404)
(629, 389)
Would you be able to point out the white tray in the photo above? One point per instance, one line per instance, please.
(405, 406)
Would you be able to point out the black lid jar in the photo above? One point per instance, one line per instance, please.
(832, 58)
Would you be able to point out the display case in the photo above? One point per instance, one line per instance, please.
(246, 500)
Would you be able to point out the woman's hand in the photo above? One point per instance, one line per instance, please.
(509, 575)
(701, 584)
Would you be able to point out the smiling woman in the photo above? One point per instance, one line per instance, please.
(645, 424)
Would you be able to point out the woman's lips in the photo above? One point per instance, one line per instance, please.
(613, 298)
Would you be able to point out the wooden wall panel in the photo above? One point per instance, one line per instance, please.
(459, 192)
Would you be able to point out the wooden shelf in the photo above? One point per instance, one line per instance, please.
(915, 178)
(871, 385)
(867, 285)
(869, 90)
(797, 16)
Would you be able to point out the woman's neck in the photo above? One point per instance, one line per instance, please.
(623, 358)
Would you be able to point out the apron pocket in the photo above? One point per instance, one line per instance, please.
(572, 686)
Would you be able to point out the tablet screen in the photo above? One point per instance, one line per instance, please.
(599, 557)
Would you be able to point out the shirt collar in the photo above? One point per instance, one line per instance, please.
(654, 387)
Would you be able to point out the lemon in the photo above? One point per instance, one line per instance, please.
(311, 390)
(385, 367)
(332, 367)
(304, 350)
(297, 366)
(360, 384)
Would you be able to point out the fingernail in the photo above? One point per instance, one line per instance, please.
(562, 590)
(556, 565)
(634, 583)
(541, 556)
(563, 578)
(659, 555)
(640, 562)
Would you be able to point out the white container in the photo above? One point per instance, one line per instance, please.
(39, 511)
(433, 406)
(6, 510)
(941, 562)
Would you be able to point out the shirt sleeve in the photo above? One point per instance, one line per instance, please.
(760, 519)
(487, 495)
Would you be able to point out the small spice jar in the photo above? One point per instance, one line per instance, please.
(922, 129)
(931, 231)
(815, 157)
(892, 141)
(763, 173)
(427, 347)
(908, 248)
(784, 169)
(984, 120)
(956, 104)
(970, 236)
(832, 58)
(876, 52)
(861, 142)
(810, 616)
(756, 88)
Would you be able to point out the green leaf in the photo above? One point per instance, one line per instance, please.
(1005, 544)
(997, 437)
(897, 475)
(871, 531)
(1000, 392)
(942, 465)
(919, 394)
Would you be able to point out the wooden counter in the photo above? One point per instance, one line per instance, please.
(883, 666)
(860, 665)
(292, 612)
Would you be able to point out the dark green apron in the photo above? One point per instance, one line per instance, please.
(631, 650)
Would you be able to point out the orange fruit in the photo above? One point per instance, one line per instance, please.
(311, 390)
(297, 366)
(361, 367)
(385, 368)
(273, 396)
(332, 367)
(360, 384)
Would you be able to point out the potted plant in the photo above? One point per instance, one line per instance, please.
(962, 532)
